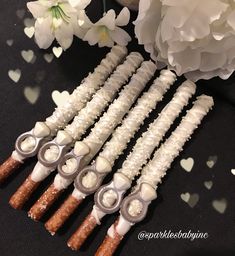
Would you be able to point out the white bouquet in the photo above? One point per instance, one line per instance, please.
(192, 37)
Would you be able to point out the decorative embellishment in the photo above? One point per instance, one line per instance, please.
(187, 164)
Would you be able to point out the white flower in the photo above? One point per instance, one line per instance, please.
(192, 37)
(107, 30)
(56, 19)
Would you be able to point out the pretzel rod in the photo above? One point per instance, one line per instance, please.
(62, 214)
(134, 207)
(93, 175)
(108, 197)
(52, 151)
(86, 228)
(28, 144)
(85, 150)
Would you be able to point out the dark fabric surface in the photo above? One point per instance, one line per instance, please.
(22, 237)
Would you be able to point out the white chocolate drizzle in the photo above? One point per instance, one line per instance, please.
(156, 169)
(156, 131)
(82, 94)
(116, 111)
(87, 116)
(130, 125)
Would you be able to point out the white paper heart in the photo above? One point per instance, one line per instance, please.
(193, 200)
(187, 164)
(10, 42)
(15, 75)
(233, 171)
(48, 57)
(32, 94)
(211, 161)
(60, 98)
(28, 56)
(208, 184)
(220, 205)
(190, 199)
(20, 13)
(57, 51)
(185, 197)
(29, 22)
(29, 31)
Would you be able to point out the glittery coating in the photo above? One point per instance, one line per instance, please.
(82, 94)
(103, 96)
(156, 169)
(130, 125)
(156, 131)
(104, 127)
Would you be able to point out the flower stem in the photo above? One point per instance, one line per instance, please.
(104, 6)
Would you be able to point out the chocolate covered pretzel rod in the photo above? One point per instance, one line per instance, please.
(28, 144)
(134, 207)
(51, 152)
(85, 150)
(90, 178)
(108, 197)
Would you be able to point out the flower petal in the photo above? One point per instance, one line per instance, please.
(37, 9)
(43, 33)
(64, 35)
(92, 36)
(79, 4)
(123, 18)
(108, 20)
(120, 36)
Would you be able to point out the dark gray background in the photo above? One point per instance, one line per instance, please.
(22, 237)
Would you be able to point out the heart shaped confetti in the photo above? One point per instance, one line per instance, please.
(185, 197)
(32, 94)
(10, 42)
(14, 75)
(233, 171)
(29, 22)
(208, 184)
(211, 161)
(187, 164)
(29, 31)
(57, 51)
(20, 13)
(48, 57)
(220, 205)
(60, 98)
(190, 199)
(28, 56)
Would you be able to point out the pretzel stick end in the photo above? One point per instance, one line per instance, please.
(110, 243)
(23, 193)
(82, 233)
(44, 203)
(8, 167)
(62, 214)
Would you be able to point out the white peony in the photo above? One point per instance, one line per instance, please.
(192, 37)
(106, 31)
(56, 19)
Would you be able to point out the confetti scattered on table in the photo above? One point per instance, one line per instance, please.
(220, 205)
(211, 161)
(32, 94)
(20, 13)
(233, 171)
(14, 75)
(187, 164)
(29, 31)
(48, 57)
(60, 98)
(190, 199)
(208, 184)
(57, 51)
(10, 42)
(28, 56)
